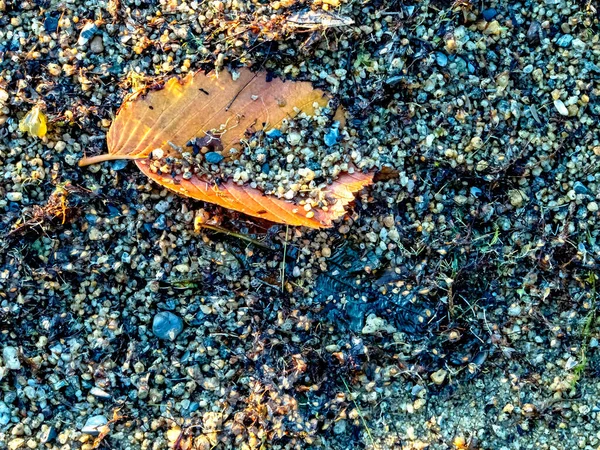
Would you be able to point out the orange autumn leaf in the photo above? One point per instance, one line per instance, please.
(203, 103)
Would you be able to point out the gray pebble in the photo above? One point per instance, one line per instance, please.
(10, 355)
(93, 424)
(162, 206)
(97, 392)
(167, 325)
(96, 45)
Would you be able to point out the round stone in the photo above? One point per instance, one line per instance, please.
(167, 325)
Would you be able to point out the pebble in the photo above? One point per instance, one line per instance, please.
(97, 392)
(93, 424)
(489, 14)
(10, 355)
(533, 32)
(374, 324)
(294, 138)
(162, 206)
(16, 444)
(213, 157)
(439, 376)
(592, 207)
(274, 133)
(564, 41)
(167, 325)
(560, 107)
(96, 45)
(332, 136)
(14, 196)
(580, 188)
(48, 435)
(87, 32)
(514, 310)
(441, 59)
(94, 234)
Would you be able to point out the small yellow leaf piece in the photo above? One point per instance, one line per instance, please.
(34, 123)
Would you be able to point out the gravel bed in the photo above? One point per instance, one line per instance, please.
(454, 307)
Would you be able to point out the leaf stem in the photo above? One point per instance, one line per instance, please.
(89, 160)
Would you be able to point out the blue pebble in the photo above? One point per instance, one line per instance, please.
(167, 325)
(332, 136)
(119, 164)
(273, 133)
(441, 59)
(213, 157)
(265, 168)
(489, 14)
(160, 223)
(564, 41)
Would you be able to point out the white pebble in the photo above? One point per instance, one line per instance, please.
(14, 196)
(10, 355)
(561, 108)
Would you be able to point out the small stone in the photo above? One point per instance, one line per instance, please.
(158, 153)
(580, 188)
(441, 59)
(51, 22)
(3, 97)
(167, 325)
(294, 138)
(517, 197)
(87, 32)
(273, 133)
(60, 146)
(340, 427)
(97, 392)
(10, 355)
(48, 435)
(119, 164)
(592, 206)
(213, 157)
(96, 45)
(560, 107)
(564, 41)
(514, 310)
(439, 376)
(14, 196)
(94, 234)
(533, 32)
(332, 136)
(162, 206)
(489, 14)
(16, 444)
(94, 424)
(54, 69)
(374, 324)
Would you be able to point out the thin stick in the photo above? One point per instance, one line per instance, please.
(236, 235)
(360, 414)
(89, 160)
(284, 256)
